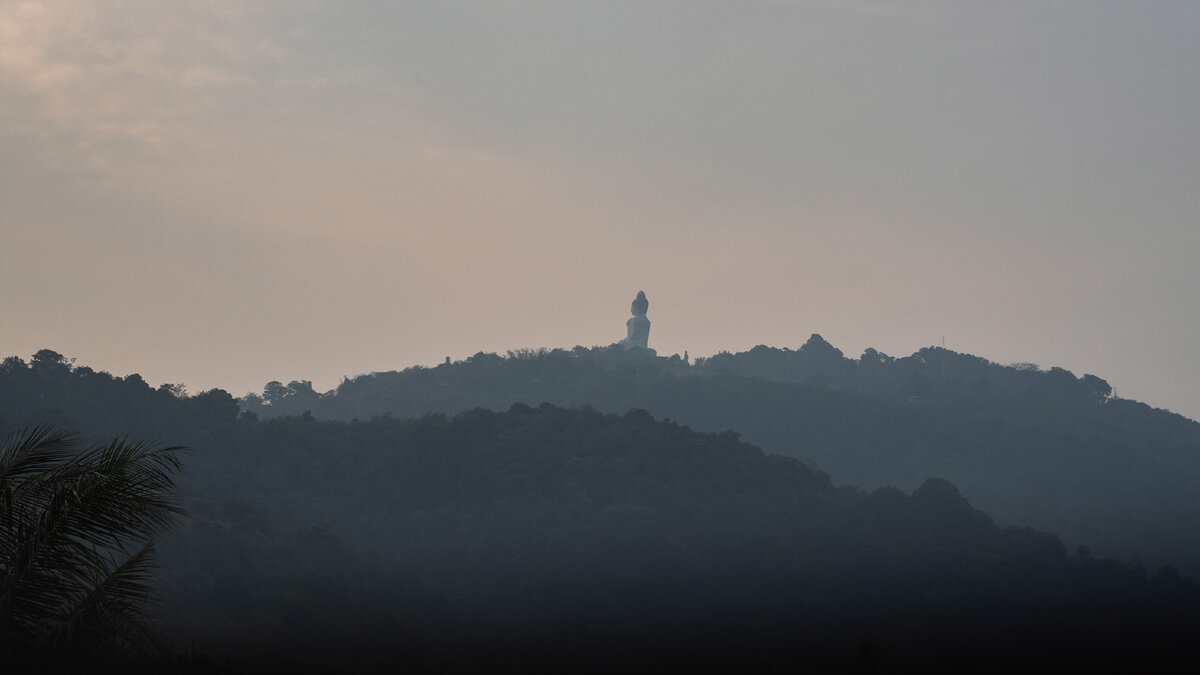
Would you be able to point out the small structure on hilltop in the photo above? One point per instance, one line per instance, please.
(637, 328)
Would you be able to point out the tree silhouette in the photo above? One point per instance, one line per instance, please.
(76, 542)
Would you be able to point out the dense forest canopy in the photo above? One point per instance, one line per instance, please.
(550, 533)
(1033, 447)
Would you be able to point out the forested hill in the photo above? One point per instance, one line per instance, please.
(1035, 447)
(553, 537)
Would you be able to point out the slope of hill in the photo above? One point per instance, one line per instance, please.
(1032, 447)
(551, 534)
(572, 538)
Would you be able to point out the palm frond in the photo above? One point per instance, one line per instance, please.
(32, 450)
(76, 537)
(28, 454)
(109, 613)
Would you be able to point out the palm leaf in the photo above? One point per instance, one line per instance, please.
(76, 543)
(28, 454)
(109, 614)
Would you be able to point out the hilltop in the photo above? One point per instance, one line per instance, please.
(1032, 447)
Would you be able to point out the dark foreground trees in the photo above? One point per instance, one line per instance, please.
(76, 543)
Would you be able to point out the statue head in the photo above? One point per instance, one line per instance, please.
(640, 304)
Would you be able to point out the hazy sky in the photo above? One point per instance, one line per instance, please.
(226, 193)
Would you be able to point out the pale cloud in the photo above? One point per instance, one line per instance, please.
(195, 105)
(125, 70)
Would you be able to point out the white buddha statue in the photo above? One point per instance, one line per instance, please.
(637, 328)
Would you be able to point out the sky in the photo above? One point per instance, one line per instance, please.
(225, 193)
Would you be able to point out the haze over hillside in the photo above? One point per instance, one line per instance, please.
(561, 538)
(1032, 447)
(252, 226)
